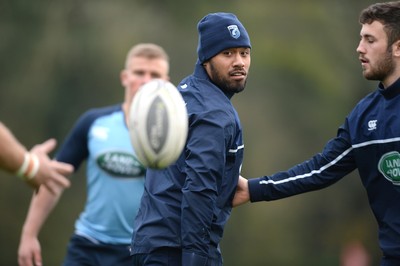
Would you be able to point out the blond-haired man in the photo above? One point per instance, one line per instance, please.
(115, 178)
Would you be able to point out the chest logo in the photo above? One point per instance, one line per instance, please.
(120, 164)
(372, 124)
(100, 133)
(389, 166)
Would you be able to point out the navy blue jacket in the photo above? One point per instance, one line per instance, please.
(369, 140)
(187, 205)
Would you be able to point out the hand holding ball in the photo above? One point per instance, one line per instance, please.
(158, 124)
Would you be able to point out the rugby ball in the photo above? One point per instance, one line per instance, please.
(158, 124)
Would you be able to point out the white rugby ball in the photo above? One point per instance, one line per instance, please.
(158, 124)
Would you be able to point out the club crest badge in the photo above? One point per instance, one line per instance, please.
(234, 31)
(389, 166)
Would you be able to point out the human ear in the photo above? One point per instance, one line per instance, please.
(123, 78)
(396, 48)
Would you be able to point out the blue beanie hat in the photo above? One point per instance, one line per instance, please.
(220, 31)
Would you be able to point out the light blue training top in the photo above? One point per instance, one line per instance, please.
(115, 178)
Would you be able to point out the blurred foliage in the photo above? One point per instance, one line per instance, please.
(59, 58)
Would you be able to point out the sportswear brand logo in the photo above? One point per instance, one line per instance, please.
(234, 31)
(372, 124)
(389, 166)
(100, 132)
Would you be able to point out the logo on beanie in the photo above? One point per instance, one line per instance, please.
(234, 31)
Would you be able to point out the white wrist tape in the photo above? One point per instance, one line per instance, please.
(29, 167)
(31, 173)
(20, 172)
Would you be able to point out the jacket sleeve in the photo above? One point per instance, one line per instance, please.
(322, 170)
(205, 160)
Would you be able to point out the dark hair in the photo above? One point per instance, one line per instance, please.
(386, 13)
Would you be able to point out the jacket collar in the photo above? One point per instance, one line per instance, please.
(391, 91)
(201, 73)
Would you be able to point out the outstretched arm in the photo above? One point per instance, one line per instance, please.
(34, 167)
(11, 151)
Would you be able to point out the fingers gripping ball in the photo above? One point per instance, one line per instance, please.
(158, 124)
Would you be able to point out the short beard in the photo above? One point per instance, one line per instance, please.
(224, 84)
(384, 68)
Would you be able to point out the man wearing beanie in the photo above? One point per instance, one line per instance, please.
(185, 207)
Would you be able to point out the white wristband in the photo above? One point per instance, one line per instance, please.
(29, 167)
(31, 173)
(24, 166)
